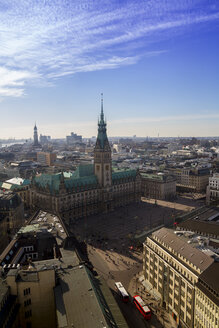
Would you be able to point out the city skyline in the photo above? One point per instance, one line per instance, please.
(156, 63)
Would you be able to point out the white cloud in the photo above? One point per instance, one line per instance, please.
(11, 81)
(52, 38)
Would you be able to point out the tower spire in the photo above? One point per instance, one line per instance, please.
(102, 115)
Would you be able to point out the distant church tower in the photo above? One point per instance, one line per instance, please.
(102, 153)
(35, 136)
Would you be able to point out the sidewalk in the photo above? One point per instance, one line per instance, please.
(139, 286)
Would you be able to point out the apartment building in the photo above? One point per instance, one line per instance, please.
(172, 268)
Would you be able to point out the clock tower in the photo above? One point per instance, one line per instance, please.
(102, 153)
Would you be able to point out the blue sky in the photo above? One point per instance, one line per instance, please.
(156, 62)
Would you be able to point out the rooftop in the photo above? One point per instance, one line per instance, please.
(180, 246)
(209, 282)
(206, 221)
(18, 181)
(157, 177)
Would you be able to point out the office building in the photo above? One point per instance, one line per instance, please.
(172, 266)
(191, 179)
(73, 139)
(158, 186)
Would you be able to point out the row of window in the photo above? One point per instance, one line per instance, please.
(205, 300)
(171, 260)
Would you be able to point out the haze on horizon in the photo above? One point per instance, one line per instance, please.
(155, 61)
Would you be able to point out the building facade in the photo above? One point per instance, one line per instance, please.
(172, 268)
(19, 186)
(212, 191)
(46, 158)
(91, 189)
(33, 288)
(194, 180)
(207, 298)
(158, 186)
(73, 139)
(11, 216)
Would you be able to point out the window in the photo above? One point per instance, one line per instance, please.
(27, 302)
(26, 291)
(28, 314)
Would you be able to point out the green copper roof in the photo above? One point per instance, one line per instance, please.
(50, 181)
(83, 178)
(84, 171)
(81, 183)
(123, 174)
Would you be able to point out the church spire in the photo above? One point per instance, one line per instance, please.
(35, 136)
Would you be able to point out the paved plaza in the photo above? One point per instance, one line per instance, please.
(125, 222)
(115, 256)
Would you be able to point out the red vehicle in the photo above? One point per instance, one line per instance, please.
(142, 307)
(122, 292)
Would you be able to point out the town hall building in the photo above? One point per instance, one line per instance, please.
(93, 188)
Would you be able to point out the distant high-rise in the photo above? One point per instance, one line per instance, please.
(35, 136)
